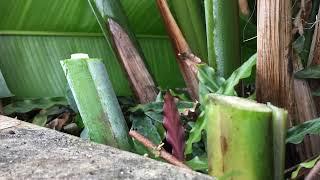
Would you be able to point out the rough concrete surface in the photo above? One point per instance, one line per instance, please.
(32, 152)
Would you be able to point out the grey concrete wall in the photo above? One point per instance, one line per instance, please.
(31, 152)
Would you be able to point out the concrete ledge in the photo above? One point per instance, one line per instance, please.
(31, 152)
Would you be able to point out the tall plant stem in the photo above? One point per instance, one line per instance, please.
(114, 25)
(274, 68)
(186, 60)
(223, 35)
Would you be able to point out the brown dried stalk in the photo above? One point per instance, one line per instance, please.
(157, 151)
(274, 79)
(186, 59)
(141, 81)
(314, 59)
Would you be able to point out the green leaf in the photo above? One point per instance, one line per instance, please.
(190, 18)
(316, 93)
(308, 165)
(209, 80)
(145, 126)
(4, 91)
(312, 72)
(298, 44)
(244, 71)
(196, 133)
(198, 163)
(158, 107)
(41, 118)
(296, 134)
(52, 33)
(32, 104)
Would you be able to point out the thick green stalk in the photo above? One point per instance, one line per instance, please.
(223, 38)
(191, 21)
(240, 138)
(279, 129)
(96, 101)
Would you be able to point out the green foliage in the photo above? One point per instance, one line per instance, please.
(52, 33)
(4, 91)
(308, 165)
(33, 104)
(198, 163)
(209, 81)
(296, 134)
(195, 133)
(312, 72)
(227, 88)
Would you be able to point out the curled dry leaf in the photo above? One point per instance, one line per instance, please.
(59, 122)
(175, 131)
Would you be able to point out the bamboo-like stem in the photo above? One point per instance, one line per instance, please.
(96, 101)
(235, 123)
(186, 60)
(158, 152)
(223, 35)
(114, 25)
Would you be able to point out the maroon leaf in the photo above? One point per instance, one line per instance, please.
(175, 130)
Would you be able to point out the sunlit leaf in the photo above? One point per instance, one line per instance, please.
(296, 134)
(308, 165)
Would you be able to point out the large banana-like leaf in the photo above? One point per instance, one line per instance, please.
(36, 34)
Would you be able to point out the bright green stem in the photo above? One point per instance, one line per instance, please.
(279, 123)
(240, 138)
(223, 38)
(189, 17)
(96, 101)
